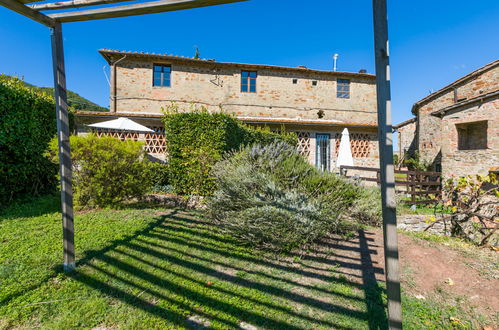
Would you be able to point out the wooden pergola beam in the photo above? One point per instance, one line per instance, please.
(71, 4)
(29, 1)
(18, 7)
(135, 9)
(63, 133)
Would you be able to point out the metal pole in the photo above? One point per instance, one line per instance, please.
(388, 200)
(61, 107)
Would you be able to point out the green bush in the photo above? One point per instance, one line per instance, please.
(416, 163)
(366, 208)
(106, 171)
(196, 140)
(270, 197)
(27, 124)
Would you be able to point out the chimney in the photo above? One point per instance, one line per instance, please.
(335, 59)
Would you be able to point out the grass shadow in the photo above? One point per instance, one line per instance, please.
(373, 292)
(172, 251)
(29, 207)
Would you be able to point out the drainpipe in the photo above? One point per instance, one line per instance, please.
(113, 103)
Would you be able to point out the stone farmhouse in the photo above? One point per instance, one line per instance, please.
(315, 104)
(456, 128)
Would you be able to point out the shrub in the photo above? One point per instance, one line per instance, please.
(270, 197)
(106, 171)
(196, 140)
(416, 163)
(366, 208)
(27, 123)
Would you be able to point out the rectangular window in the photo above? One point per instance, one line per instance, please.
(343, 88)
(248, 81)
(472, 136)
(323, 152)
(162, 75)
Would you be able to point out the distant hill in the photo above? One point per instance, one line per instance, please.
(75, 101)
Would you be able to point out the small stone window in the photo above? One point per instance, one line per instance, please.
(248, 81)
(343, 88)
(295, 81)
(162, 75)
(314, 82)
(472, 136)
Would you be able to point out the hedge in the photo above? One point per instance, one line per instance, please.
(196, 140)
(27, 124)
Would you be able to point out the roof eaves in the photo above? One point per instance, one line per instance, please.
(106, 52)
(404, 123)
(479, 98)
(253, 120)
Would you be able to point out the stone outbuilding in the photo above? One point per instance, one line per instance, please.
(406, 138)
(456, 129)
(316, 104)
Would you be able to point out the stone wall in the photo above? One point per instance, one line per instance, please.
(418, 223)
(217, 85)
(429, 127)
(407, 139)
(456, 162)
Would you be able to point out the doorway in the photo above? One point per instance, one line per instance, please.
(323, 152)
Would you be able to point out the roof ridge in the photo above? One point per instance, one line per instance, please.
(456, 82)
(104, 51)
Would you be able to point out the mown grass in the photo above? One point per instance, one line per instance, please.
(157, 268)
(421, 209)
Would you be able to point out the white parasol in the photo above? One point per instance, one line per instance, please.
(345, 152)
(122, 124)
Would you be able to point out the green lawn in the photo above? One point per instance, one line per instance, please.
(160, 268)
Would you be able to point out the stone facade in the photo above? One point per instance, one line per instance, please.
(474, 159)
(300, 99)
(429, 130)
(406, 138)
(281, 92)
(443, 114)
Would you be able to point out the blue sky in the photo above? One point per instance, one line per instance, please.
(432, 42)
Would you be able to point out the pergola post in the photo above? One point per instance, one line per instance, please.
(61, 107)
(388, 200)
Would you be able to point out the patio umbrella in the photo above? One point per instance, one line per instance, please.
(345, 152)
(122, 124)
